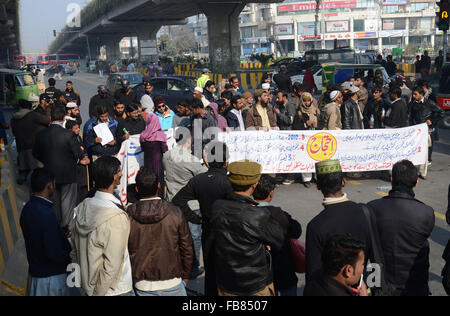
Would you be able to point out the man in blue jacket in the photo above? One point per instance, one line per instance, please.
(93, 143)
(48, 250)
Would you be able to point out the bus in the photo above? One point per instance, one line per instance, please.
(19, 60)
(43, 60)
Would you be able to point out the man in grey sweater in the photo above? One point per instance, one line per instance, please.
(181, 166)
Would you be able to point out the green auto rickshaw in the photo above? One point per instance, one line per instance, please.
(335, 73)
(16, 85)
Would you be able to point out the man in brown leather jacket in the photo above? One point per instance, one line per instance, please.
(160, 242)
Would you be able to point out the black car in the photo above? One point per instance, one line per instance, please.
(173, 89)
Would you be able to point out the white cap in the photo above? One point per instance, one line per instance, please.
(71, 105)
(33, 97)
(199, 89)
(266, 86)
(346, 85)
(334, 94)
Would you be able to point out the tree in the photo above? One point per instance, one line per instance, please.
(264, 59)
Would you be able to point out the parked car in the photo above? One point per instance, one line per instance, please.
(16, 85)
(173, 89)
(68, 70)
(115, 80)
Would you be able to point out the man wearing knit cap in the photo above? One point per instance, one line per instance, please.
(332, 110)
(340, 216)
(242, 236)
(351, 114)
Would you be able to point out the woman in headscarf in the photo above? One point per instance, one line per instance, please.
(154, 145)
(306, 118)
(221, 121)
(308, 81)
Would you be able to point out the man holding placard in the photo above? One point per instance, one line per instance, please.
(100, 134)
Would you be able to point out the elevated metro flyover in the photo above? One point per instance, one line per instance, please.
(105, 22)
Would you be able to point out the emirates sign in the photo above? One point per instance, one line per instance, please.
(309, 6)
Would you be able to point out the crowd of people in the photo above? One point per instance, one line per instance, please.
(188, 201)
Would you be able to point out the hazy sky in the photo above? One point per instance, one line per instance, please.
(38, 19)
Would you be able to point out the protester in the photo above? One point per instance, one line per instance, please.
(234, 116)
(140, 89)
(208, 91)
(343, 264)
(332, 112)
(164, 114)
(198, 94)
(308, 81)
(284, 277)
(283, 80)
(103, 98)
(24, 126)
(93, 143)
(206, 188)
(221, 121)
(83, 185)
(351, 114)
(237, 89)
(204, 127)
(396, 115)
(364, 94)
(334, 219)
(266, 78)
(134, 124)
(119, 111)
(183, 117)
(154, 145)
(100, 236)
(261, 116)
(47, 248)
(404, 226)
(240, 233)
(425, 62)
(390, 66)
(421, 111)
(306, 118)
(160, 242)
(439, 61)
(285, 111)
(73, 113)
(58, 150)
(375, 110)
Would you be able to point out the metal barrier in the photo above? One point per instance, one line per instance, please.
(10, 231)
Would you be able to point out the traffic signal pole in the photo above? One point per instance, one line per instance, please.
(445, 46)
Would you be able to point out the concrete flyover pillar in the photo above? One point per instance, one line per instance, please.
(112, 47)
(93, 47)
(224, 35)
(147, 42)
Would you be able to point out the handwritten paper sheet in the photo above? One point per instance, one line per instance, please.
(357, 150)
(102, 131)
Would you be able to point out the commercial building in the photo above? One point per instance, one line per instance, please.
(360, 24)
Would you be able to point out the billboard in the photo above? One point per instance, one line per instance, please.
(337, 26)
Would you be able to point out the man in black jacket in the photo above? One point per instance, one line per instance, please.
(284, 277)
(404, 225)
(340, 216)
(24, 125)
(57, 148)
(207, 188)
(102, 98)
(421, 110)
(375, 109)
(396, 115)
(351, 115)
(283, 81)
(242, 236)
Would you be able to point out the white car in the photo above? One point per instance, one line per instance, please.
(317, 73)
